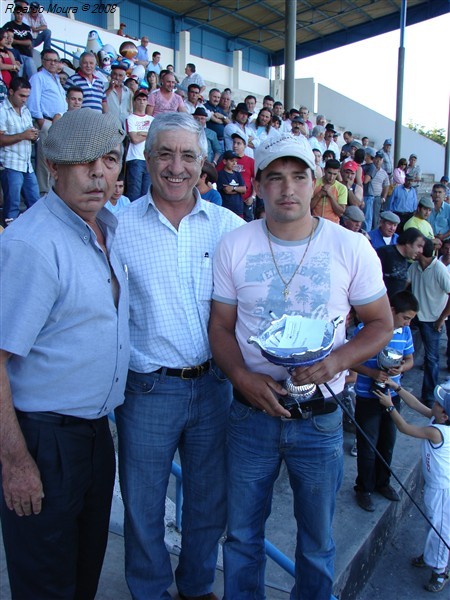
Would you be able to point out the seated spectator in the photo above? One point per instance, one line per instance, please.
(132, 84)
(154, 64)
(137, 125)
(440, 215)
(398, 176)
(165, 99)
(152, 80)
(118, 201)
(261, 127)
(74, 98)
(420, 222)
(142, 56)
(208, 177)
(318, 161)
(404, 201)
(365, 141)
(218, 118)
(172, 70)
(239, 124)
(276, 122)
(192, 102)
(268, 102)
(226, 103)
(250, 102)
(278, 109)
(22, 39)
(39, 28)
(192, 77)
(8, 65)
(353, 219)
(330, 197)
(328, 155)
(63, 77)
(231, 185)
(384, 234)
(214, 147)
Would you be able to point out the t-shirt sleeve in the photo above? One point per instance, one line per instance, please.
(366, 283)
(224, 289)
(342, 194)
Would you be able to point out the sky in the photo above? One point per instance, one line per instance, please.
(370, 73)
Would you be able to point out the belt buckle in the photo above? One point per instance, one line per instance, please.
(187, 369)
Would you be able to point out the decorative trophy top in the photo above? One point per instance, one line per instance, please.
(294, 340)
(389, 357)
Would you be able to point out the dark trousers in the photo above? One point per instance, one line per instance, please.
(59, 553)
(380, 429)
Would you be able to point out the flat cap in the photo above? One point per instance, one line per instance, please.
(370, 151)
(426, 202)
(388, 215)
(81, 136)
(353, 213)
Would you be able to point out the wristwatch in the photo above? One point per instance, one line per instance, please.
(389, 409)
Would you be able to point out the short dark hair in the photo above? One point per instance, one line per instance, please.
(156, 53)
(330, 153)
(364, 138)
(360, 154)
(439, 185)
(348, 133)
(191, 86)
(214, 90)
(409, 236)
(268, 98)
(277, 103)
(191, 67)
(250, 96)
(75, 88)
(332, 163)
(403, 301)
(428, 248)
(211, 172)
(19, 83)
(47, 51)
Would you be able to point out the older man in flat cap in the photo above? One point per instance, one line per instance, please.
(64, 359)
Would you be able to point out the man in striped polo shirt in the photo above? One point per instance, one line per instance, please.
(93, 92)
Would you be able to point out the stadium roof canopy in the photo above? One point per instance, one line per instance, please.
(322, 25)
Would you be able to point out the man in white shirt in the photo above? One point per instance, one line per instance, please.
(138, 124)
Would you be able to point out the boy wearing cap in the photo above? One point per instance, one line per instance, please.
(138, 124)
(231, 185)
(436, 473)
(288, 262)
(385, 234)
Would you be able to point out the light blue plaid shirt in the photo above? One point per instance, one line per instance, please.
(17, 156)
(170, 281)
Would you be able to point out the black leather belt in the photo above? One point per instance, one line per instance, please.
(47, 118)
(55, 418)
(186, 372)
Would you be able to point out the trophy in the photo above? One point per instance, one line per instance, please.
(386, 359)
(296, 341)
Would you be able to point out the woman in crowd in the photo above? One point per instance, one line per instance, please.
(8, 65)
(400, 172)
(262, 126)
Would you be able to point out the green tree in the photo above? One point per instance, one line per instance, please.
(435, 134)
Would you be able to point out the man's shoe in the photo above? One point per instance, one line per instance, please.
(364, 500)
(210, 596)
(388, 492)
(437, 581)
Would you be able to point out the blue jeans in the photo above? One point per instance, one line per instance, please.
(15, 183)
(162, 414)
(43, 36)
(137, 179)
(368, 212)
(312, 451)
(430, 338)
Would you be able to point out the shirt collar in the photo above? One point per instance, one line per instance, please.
(201, 205)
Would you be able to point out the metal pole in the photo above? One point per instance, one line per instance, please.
(400, 74)
(289, 53)
(447, 146)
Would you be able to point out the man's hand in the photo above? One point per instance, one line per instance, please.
(319, 372)
(22, 486)
(261, 391)
(31, 134)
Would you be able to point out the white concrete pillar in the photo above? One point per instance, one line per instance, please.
(237, 71)
(183, 55)
(113, 20)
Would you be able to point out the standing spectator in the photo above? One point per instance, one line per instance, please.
(192, 77)
(138, 124)
(231, 185)
(208, 177)
(261, 127)
(444, 180)
(369, 172)
(420, 221)
(16, 135)
(250, 102)
(175, 396)
(225, 103)
(365, 142)
(63, 366)
(165, 99)
(118, 96)
(347, 147)
(47, 103)
(414, 170)
(142, 56)
(387, 163)
(321, 120)
(440, 215)
(355, 191)
(317, 137)
(398, 177)
(23, 39)
(192, 101)
(214, 148)
(152, 80)
(8, 65)
(304, 113)
(328, 141)
(93, 93)
(218, 118)
(298, 127)
(117, 200)
(38, 25)
(254, 272)
(330, 196)
(239, 124)
(396, 258)
(404, 201)
(380, 185)
(74, 98)
(430, 283)
(384, 234)
(154, 65)
(268, 103)
(245, 165)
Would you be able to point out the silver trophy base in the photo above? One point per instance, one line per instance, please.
(300, 393)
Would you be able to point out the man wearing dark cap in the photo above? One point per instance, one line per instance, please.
(138, 124)
(420, 220)
(293, 263)
(384, 234)
(214, 149)
(299, 127)
(231, 185)
(387, 163)
(239, 124)
(328, 142)
(63, 366)
(414, 170)
(118, 95)
(353, 219)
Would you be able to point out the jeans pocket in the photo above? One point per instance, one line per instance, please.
(218, 373)
(328, 423)
(140, 384)
(239, 411)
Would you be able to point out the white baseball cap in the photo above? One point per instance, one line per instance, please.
(281, 146)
